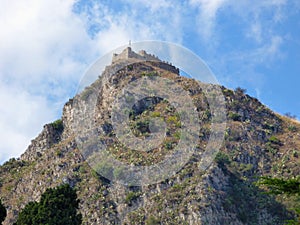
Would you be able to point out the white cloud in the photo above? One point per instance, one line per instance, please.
(154, 6)
(266, 53)
(209, 7)
(35, 34)
(244, 65)
(259, 18)
(21, 117)
(208, 10)
(258, 39)
(45, 47)
(255, 32)
(144, 20)
(250, 13)
(273, 49)
(120, 32)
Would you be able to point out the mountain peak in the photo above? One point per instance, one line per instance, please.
(257, 142)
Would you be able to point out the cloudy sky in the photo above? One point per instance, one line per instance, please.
(46, 46)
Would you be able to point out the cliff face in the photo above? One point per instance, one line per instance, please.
(257, 142)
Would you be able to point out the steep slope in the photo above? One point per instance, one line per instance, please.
(257, 142)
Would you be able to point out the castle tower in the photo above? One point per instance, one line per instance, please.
(128, 54)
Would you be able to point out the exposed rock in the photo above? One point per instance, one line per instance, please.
(223, 194)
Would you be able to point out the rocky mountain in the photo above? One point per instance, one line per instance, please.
(257, 142)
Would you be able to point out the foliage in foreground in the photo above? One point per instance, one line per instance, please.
(289, 187)
(57, 206)
(2, 212)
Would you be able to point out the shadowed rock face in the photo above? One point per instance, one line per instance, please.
(223, 194)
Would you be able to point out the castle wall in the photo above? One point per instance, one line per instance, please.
(129, 54)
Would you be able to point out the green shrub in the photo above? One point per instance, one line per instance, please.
(271, 149)
(290, 115)
(87, 92)
(240, 90)
(287, 187)
(10, 164)
(281, 186)
(222, 158)
(57, 206)
(274, 140)
(149, 74)
(58, 153)
(58, 125)
(130, 67)
(152, 221)
(292, 128)
(131, 196)
(234, 116)
(155, 114)
(227, 92)
(295, 153)
(272, 145)
(168, 145)
(174, 120)
(143, 126)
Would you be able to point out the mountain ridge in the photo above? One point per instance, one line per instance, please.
(257, 142)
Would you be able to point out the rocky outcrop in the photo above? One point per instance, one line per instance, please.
(49, 136)
(257, 142)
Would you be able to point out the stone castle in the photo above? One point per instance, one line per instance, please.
(128, 54)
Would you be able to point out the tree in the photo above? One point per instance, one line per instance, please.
(57, 206)
(2, 212)
(27, 216)
(289, 187)
(240, 90)
(289, 115)
(281, 186)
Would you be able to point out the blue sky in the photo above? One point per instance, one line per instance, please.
(46, 46)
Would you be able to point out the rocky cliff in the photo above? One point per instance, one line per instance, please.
(257, 142)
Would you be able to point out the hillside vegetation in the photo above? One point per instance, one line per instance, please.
(258, 143)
